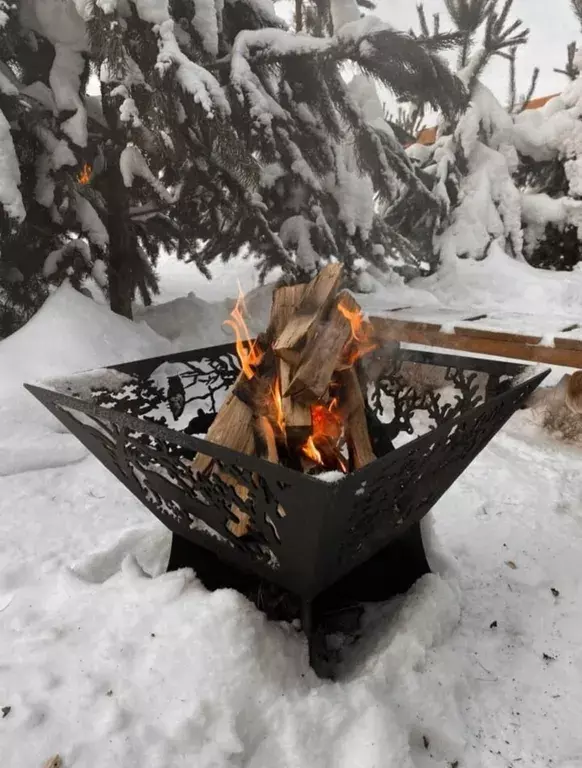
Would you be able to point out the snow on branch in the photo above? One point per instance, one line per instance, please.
(205, 22)
(10, 197)
(194, 79)
(396, 59)
(133, 164)
(89, 221)
(65, 80)
(295, 232)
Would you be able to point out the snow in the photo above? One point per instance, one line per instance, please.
(70, 333)
(10, 197)
(6, 85)
(502, 283)
(132, 163)
(154, 11)
(65, 80)
(113, 663)
(89, 220)
(194, 79)
(205, 22)
(295, 232)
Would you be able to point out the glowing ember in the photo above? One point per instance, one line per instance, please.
(248, 352)
(84, 176)
(326, 436)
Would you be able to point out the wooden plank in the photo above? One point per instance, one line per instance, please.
(564, 343)
(485, 333)
(389, 329)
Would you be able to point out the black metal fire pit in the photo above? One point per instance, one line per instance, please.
(315, 548)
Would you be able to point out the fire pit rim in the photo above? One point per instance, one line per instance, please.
(197, 444)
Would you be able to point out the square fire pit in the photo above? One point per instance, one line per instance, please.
(316, 545)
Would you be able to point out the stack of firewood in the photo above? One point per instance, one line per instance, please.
(298, 400)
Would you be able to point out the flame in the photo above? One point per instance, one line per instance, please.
(250, 356)
(84, 176)
(355, 319)
(361, 341)
(326, 435)
(278, 402)
(311, 451)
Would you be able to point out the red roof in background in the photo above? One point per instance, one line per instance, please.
(428, 135)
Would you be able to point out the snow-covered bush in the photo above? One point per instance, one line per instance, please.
(473, 160)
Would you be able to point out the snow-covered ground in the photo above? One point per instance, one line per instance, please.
(109, 662)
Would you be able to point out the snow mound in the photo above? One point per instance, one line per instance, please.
(499, 282)
(70, 333)
(160, 671)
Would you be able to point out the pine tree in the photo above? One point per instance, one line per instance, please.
(550, 172)
(215, 130)
(473, 161)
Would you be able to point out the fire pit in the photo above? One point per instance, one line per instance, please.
(313, 546)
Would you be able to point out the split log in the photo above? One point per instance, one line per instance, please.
(355, 423)
(232, 428)
(266, 445)
(313, 308)
(285, 302)
(322, 354)
(297, 415)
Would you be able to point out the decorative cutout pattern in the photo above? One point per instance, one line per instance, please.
(399, 491)
(303, 533)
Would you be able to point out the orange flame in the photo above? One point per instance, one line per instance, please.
(361, 343)
(326, 435)
(278, 401)
(355, 319)
(84, 176)
(251, 355)
(311, 451)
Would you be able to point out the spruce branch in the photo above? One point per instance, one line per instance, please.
(468, 16)
(577, 8)
(499, 36)
(531, 89)
(424, 30)
(403, 64)
(512, 83)
(437, 40)
(570, 70)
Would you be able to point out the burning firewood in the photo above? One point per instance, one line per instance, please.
(312, 308)
(323, 351)
(298, 400)
(358, 439)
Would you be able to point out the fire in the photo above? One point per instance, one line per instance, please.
(326, 436)
(249, 354)
(311, 451)
(278, 402)
(84, 176)
(361, 342)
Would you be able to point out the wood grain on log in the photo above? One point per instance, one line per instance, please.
(285, 302)
(355, 424)
(313, 308)
(231, 428)
(297, 415)
(322, 354)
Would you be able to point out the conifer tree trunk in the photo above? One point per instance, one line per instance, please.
(121, 242)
